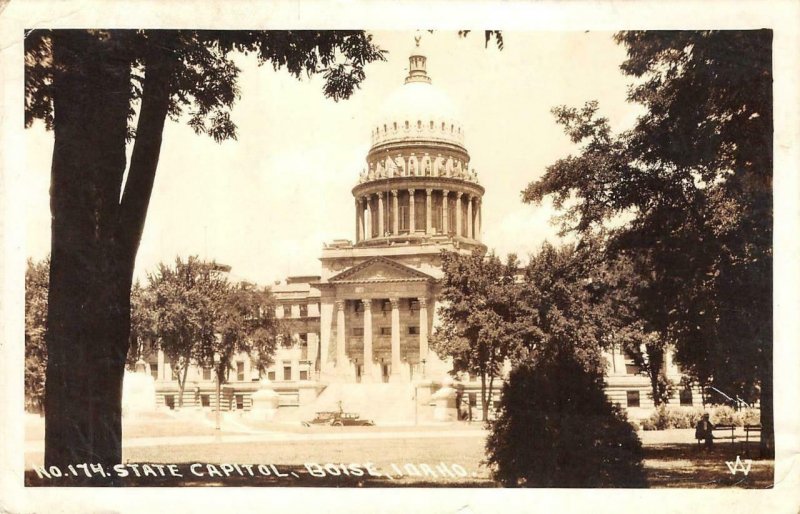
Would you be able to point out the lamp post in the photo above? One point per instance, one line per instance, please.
(216, 368)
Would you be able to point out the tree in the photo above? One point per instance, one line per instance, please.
(477, 317)
(89, 86)
(556, 428)
(188, 301)
(694, 175)
(36, 275)
(246, 323)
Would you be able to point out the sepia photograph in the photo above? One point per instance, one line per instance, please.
(430, 258)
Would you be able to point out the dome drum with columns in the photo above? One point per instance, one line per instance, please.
(417, 184)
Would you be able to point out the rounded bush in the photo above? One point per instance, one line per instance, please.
(556, 428)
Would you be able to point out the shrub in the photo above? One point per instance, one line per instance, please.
(664, 417)
(724, 415)
(750, 416)
(556, 428)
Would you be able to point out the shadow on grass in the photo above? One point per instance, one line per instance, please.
(187, 475)
(693, 466)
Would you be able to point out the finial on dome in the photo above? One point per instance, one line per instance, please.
(416, 65)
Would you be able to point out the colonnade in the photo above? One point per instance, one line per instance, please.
(341, 332)
(425, 211)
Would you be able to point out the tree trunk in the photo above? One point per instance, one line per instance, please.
(89, 305)
(484, 400)
(182, 382)
(94, 239)
(767, 446)
(489, 395)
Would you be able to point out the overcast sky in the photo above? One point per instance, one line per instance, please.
(265, 203)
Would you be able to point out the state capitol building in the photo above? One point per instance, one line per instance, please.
(360, 327)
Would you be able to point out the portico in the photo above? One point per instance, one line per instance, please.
(381, 321)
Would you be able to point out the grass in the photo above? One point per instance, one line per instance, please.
(672, 459)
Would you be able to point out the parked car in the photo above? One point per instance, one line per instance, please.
(338, 419)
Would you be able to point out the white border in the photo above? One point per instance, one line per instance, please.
(780, 15)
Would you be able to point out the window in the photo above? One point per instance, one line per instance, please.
(303, 340)
(633, 398)
(205, 400)
(403, 219)
(239, 401)
(206, 373)
(303, 374)
(413, 331)
(414, 305)
(240, 371)
(473, 399)
(287, 371)
(358, 332)
(386, 306)
(359, 306)
(431, 124)
(386, 331)
(303, 311)
(154, 370)
(174, 372)
(271, 375)
(686, 397)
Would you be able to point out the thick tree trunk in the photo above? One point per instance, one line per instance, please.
(767, 449)
(95, 238)
(88, 308)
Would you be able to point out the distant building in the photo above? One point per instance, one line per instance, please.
(365, 320)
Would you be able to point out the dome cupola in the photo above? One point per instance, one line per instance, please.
(417, 184)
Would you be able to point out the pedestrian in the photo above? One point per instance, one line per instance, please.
(704, 431)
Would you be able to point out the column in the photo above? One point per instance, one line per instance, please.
(341, 336)
(381, 225)
(411, 216)
(445, 226)
(359, 222)
(478, 204)
(470, 234)
(428, 206)
(395, 214)
(396, 363)
(423, 328)
(367, 373)
(458, 213)
(368, 224)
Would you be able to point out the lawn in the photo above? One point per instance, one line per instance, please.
(451, 457)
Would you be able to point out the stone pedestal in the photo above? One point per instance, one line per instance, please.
(265, 402)
(138, 391)
(444, 401)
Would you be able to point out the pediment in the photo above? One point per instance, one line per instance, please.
(380, 269)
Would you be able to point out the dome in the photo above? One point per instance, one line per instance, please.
(417, 110)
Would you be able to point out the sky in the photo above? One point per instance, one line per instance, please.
(265, 203)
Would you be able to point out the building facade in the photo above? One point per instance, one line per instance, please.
(365, 319)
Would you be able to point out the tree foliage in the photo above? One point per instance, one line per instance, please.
(693, 177)
(100, 90)
(37, 275)
(246, 323)
(556, 428)
(188, 300)
(477, 327)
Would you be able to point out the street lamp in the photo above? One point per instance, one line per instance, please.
(216, 368)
